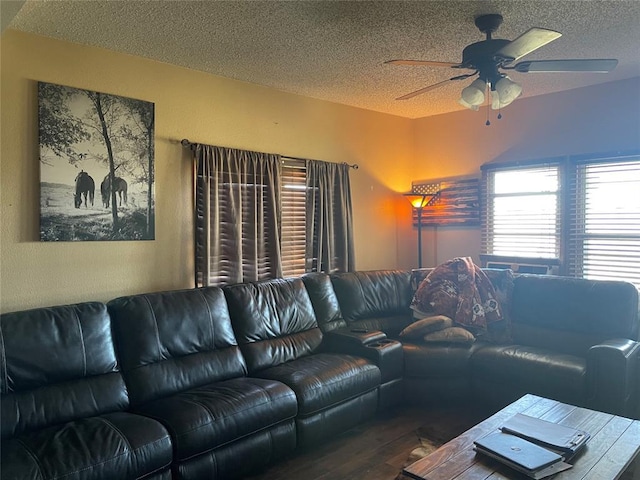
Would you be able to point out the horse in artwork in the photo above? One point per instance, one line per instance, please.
(84, 186)
(120, 187)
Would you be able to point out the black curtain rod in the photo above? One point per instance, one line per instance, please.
(187, 143)
(354, 165)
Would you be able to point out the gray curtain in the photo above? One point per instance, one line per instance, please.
(329, 233)
(237, 215)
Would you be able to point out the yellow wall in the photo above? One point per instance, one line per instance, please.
(391, 151)
(188, 104)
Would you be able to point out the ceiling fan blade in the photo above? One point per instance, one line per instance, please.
(424, 63)
(529, 41)
(601, 65)
(434, 86)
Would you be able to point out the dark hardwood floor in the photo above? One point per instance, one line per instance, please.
(379, 448)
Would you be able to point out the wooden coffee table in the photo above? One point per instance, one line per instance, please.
(614, 444)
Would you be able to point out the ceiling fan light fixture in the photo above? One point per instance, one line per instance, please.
(462, 102)
(487, 58)
(495, 100)
(506, 91)
(473, 95)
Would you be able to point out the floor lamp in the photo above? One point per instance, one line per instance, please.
(419, 201)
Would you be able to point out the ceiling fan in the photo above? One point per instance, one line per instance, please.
(488, 57)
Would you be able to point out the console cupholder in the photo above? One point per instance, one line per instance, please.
(380, 343)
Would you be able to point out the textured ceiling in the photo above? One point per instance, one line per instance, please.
(334, 50)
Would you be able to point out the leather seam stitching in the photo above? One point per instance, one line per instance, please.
(84, 350)
(211, 322)
(110, 424)
(131, 451)
(155, 324)
(32, 455)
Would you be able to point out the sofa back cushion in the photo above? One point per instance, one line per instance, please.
(324, 301)
(570, 314)
(273, 320)
(58, 365)
(372, 295)
(173, 341)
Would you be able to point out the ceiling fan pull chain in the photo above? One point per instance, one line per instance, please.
(487, 97)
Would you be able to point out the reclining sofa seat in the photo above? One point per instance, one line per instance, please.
(440, 372)
(64, 401)
(573, 340)
(278, 334)
(183, 367)
(380, 300)
(372, 344)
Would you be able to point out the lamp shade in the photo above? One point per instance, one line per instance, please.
(468, 105)
(473, 95)
(417, 200)
(506, 91)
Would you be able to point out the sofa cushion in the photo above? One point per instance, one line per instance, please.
(570, 315)
(210, 416)
(375, 299)
(273, 320)
(439, 360)
(240, 459)
(535, 370)
(324, 301)
(105, 447)
(324, 380)
(457, 335)
(170, 342)
(420, 328)
(58, 365)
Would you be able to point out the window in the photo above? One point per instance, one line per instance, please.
(522, 213)
(605, 223)
(255, 219)
(590, 228)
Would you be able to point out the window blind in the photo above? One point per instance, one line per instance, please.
(293, 222)
(604, 236)
(521, 208)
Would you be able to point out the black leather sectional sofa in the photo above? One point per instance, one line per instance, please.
(218, 382)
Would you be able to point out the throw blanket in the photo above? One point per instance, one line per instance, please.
(461, 291)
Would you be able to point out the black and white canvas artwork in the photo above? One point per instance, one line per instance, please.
(96, 165)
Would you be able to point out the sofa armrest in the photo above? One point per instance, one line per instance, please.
(344, 339)
(613, 372)
(373, 345)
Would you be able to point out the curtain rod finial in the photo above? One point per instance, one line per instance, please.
(185, 142)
